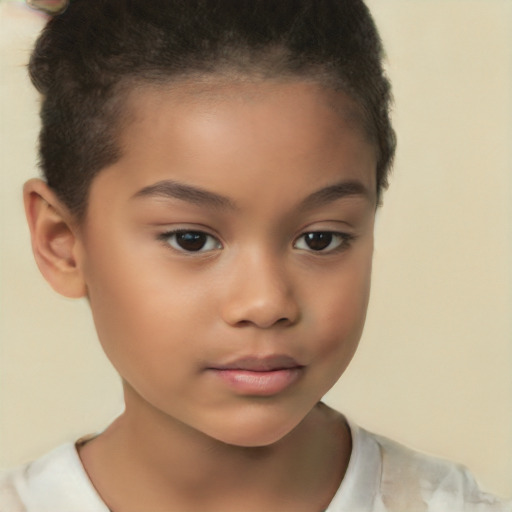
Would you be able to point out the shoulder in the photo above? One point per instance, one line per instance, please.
(10, 500)
(55, 482)
(409, 479)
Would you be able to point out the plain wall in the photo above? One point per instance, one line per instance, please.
(434, 366)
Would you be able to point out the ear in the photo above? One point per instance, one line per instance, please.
(54, 239)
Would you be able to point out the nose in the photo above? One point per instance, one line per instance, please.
(259, 292)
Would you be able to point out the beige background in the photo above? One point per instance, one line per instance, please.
(434, 366)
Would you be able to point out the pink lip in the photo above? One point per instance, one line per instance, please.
(260, 364)
(259, 376)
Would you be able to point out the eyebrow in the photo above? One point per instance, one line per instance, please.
(334, 192)
(169, 189)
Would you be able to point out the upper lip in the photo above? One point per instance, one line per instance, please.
(260, 364)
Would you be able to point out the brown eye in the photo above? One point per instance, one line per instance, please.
(191, 241)
(318, 241)
(323, 241)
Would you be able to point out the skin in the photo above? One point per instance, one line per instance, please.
(169, 318)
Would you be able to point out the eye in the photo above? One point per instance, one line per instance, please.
(323, 241)
(191, 241)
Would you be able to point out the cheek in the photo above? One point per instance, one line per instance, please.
(131, 306)
(138, 333)
(148, 316)
(341, 314)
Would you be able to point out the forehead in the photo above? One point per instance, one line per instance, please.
(204, 93)
(230, 136)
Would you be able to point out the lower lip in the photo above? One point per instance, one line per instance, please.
(266, 383)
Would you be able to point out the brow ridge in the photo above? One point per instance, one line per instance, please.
(170, 189)
(335, 192)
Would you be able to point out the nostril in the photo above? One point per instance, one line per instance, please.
(281, 322)
(266, 300)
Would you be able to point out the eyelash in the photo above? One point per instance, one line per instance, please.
(341, 240)
(170, 238)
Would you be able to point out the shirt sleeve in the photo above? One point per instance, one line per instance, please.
(419, 483)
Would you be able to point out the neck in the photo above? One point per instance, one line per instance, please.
(175, 467)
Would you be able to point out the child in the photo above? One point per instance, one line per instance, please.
(212, 174)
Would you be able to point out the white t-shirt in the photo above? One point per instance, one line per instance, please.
(382, 476)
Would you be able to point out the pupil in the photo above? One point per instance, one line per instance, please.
(318, 241)
(191, 241)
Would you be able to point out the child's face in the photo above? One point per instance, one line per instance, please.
(239, 323)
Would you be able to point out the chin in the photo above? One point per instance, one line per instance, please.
(259, 440)
(256, 433)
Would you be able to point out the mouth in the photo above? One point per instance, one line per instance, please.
(257, 376)
(260, 364)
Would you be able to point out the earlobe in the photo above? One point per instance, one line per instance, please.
(54, 241)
